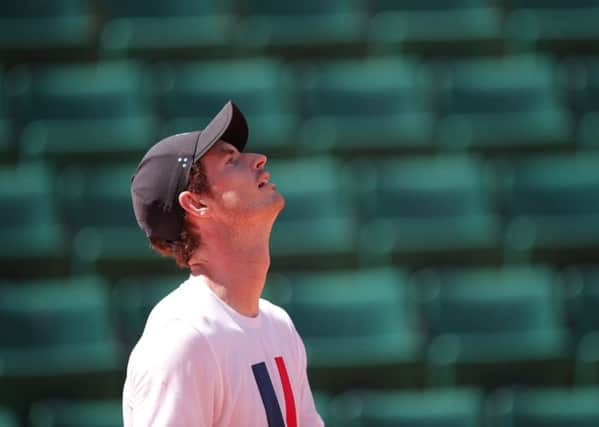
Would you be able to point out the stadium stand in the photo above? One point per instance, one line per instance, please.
(73, 413)
(57, 337)
(48, 29)
(157, 28)
(525, 407)
(262, 88)
(494, 325)
(341, 313)
(30, 223)
(7, 149)
(8, 418)
(509, 103)
(322, 401)
(133, 299)
(367, 106)
(6, 145)
(80, 112)
(318, 224)
(103, 239)
(582, 299)
(309, 27)
(461, 407)
(438, 26)
(551, 207)
(558, 25)
(440, 167)
(416, 209)
(581, 79)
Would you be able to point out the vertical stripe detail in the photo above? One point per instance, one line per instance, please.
(288, 391)
(268, 395)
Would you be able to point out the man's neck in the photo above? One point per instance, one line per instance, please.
(235, 266)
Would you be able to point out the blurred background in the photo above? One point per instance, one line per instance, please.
(440, 160)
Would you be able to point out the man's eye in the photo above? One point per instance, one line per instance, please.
(230, 159)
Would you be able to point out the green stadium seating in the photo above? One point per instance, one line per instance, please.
(311, 26)
(7, 149)
(189, 94)
(134, 297)
(359, 327)
(322, 401)
(8, 418)
(494, 326)
(318, 223)
(581, 76)
(588, 130)
(420, 210)
(96, 206)
(552, 208)
(561, 25)
(510, 103)
(367, 106)
(460, 407)
(583, 297)
(56, 337)
(73, 413)
(277, 289)
(551, 407)
(31, 24)
(81, 112)
(411, 139)
(3, 101)
(29, 223)
(159, 28)
(438, 26)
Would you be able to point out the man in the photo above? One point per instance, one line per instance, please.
(213, 353)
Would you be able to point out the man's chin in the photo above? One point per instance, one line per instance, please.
(279, 203)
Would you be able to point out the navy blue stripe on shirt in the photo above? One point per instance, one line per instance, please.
(269, 398)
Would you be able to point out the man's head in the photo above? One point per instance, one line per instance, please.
(240, 192)
(201, 177)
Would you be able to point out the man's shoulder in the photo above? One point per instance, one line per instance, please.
(275, 312)
(169, 346)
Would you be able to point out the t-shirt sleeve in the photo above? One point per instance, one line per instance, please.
(307, 414)
(178, 385)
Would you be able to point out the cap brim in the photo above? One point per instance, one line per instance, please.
(228, 125)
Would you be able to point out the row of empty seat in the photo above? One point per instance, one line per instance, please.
(221, 27)
(432, 288)
(463, 407)
(406, 210)
(114, 110)
(362, 328)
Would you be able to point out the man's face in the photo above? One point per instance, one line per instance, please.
(241, 190)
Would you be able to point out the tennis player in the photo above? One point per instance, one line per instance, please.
(213, 353)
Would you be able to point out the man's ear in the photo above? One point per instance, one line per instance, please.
(193, 204)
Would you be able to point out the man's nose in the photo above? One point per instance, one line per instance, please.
(259, 161)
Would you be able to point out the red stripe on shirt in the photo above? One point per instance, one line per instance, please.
(288, 392)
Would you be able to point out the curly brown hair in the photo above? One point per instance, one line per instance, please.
(182, 250)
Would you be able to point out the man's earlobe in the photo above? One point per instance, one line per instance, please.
(193, 204)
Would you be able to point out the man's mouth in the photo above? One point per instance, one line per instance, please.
(264, 179)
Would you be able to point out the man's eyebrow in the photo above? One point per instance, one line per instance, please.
(224, 151)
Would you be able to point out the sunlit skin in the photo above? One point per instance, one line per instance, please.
(234, 222)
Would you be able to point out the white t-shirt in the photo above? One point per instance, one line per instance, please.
(199, 363)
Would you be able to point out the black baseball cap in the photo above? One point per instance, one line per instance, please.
(163, 173)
